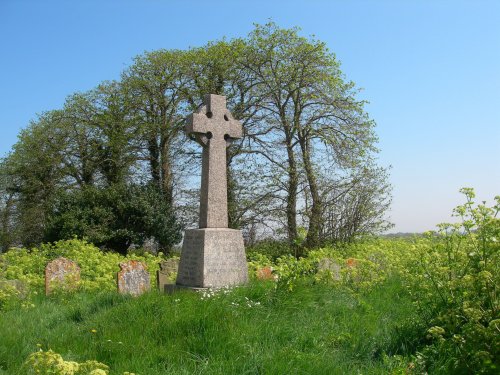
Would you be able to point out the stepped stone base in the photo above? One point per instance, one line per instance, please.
(212, 258)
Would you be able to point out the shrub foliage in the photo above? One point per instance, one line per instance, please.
(114, 217)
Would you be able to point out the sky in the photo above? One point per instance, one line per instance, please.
(430, 70)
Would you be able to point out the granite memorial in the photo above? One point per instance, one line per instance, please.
(213, 256)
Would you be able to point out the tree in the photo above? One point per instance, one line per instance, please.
(313, 117)
(32, 175)
(101, 136)
(66, 156)
(7, 229)
(155, 85)
(356, 205)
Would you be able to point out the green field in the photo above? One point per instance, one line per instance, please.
(258, 329)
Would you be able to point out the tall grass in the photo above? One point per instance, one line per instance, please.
(256, 329)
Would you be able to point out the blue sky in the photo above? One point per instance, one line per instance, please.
(430, 69)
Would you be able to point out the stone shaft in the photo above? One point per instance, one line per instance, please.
(213, 194)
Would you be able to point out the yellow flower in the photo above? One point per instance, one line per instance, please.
(93, 330)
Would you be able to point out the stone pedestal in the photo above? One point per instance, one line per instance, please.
(212, 258)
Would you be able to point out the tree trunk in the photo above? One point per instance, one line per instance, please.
(313, 233)
(154, 161)
(293, 183)
(167, 183)
(5, 235)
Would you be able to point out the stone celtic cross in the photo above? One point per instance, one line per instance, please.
(212, 256)
(213, 127)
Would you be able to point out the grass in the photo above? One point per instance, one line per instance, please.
(314, 329)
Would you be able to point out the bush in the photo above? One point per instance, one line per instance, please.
(49, 362)
(9, 295)
(114, 217)
(360, 266)
(273, 249)
(453, 277)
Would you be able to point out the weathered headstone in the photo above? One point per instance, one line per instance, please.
(167, 273)
(133, 278)
(214, 255)
(265, 273)
(15, 285)
(351, 262)
(61, 273)
(329, 265)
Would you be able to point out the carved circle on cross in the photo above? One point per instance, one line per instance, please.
(213, 120)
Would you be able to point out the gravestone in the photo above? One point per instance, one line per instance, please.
(17, 285)
(133, 278)
(265, 273)
(167, 272)
(330, 266)
(213, 256)
(61, 273)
